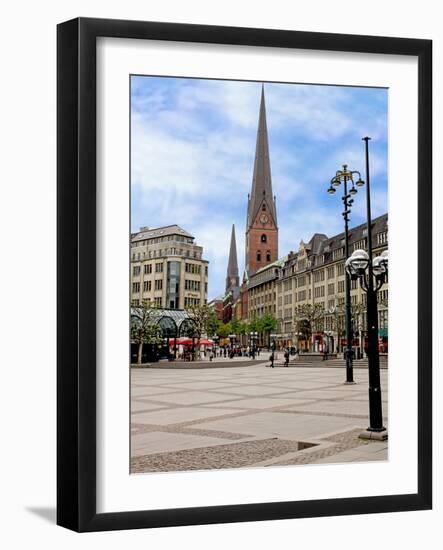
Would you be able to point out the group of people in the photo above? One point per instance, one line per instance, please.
(232, 352)
(286, 355)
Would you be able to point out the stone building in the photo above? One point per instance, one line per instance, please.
(315, 275)
(167, 268)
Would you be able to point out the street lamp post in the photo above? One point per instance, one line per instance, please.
(346, 176)
(273, 346)
(372, 273)
(253, 338)
(232, 339)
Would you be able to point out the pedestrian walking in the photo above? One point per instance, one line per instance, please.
(286, 357)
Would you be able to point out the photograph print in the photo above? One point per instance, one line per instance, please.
(258, 274)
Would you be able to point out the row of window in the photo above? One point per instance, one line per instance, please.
(268, 255)
(192, 302)
(330, 322)
(194, 268)
(137, 256)
(319, 275)
(147, 286)
(192, 285)
(178, 238)
(147, 269)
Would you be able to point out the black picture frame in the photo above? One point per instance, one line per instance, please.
(76, 294)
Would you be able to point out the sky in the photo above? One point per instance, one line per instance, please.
(192, 157)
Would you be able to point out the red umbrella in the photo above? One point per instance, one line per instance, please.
(205, 342)
(181, 341)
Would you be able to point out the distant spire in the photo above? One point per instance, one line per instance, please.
(261, 181)
(232, 279)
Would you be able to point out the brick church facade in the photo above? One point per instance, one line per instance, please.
(261, 238)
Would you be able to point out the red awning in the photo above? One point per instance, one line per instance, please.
(184, 341)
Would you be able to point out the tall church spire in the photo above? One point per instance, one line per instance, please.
(232, 278)
(261, 181)
(261, 243)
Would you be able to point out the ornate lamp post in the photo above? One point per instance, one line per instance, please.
(346, 176)
(372, 273)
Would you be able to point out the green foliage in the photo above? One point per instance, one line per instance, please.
(204, 318)
(268, 323)
(224, 329)
(144, 330)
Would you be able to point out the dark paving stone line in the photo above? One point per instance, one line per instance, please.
(319, 413)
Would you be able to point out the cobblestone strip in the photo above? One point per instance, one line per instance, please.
(343, 442)
(233, 455)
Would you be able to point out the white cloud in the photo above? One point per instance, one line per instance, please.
(193, 149)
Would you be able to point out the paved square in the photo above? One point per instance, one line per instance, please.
(249, 416)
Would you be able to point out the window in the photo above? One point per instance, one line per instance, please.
(158, 284)
(301, 264)
(193, 268)
(147, 285)
(263, 238)
(319, 291)
(268, 256)
(287, 285)
(135, 287)
(263, 207)
(360, 245)
(331, 288)
(341, 286)
(159, 268)
(148, 269)
(319, 276)
(136, 270)
(258, 256)
(382, 238)
(383, 318)
(341, 269)
(338, 253)
(158, 302)
(192, 285)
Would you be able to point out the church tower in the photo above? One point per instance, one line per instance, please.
(232, 278)
(261, 225)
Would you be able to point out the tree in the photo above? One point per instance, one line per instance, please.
(144, 329)
(267, 324)
(224, 329)
(306, 317)
(204, 318)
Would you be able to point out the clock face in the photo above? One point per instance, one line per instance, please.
(264, 218)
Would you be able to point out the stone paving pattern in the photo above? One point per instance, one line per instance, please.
(249, 416)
